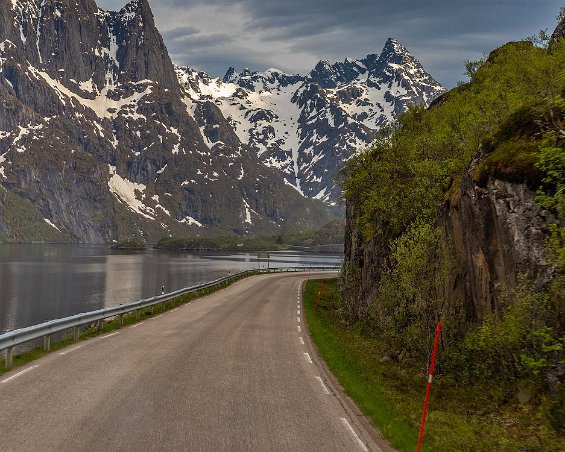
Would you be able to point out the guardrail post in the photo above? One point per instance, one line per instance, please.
(138, 314)
(100, 325)
(9, 359)
(76, 333)
(163, 306)
(121, 319)
(47, 343)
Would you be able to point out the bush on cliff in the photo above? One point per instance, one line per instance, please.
(511, 111)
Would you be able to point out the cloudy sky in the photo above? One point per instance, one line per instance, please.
(293, 35)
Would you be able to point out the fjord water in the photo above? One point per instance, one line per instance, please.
(45, 282)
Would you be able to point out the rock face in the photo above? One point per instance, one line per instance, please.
(306, 127)
(496, 231)
(558, 34)
(99, 139)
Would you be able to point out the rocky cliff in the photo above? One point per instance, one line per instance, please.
(98, 139)
(447, 215)
(492, 230)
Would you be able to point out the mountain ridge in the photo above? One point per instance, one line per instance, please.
(107, 139)
(307, 126)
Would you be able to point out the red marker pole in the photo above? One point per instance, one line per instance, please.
(429, 388)
(318, 296)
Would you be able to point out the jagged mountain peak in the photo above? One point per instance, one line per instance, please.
(306, 127)
(230, 76)
(395, 53)
(329, 75)
(256, 81)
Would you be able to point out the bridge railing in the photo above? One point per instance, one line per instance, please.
(12, 339)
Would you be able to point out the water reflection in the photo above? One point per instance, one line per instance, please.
(44, 282)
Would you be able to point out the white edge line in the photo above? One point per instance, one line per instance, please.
(19, 374)
(298, 319)
(298, 327)
(301, 340)
(70, 350)
(137, 324)
(109, 335)
(157, 316)
(360, 443)
(307, 358)
(324, 388)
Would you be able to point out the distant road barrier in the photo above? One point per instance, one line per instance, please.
(10, 340)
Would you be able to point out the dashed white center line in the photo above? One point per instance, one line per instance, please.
(301, 340)
(137, 324)
(298, 327)
(360, 443)
(25, 371)
(307, 358)
(324, 388)
(70, 350)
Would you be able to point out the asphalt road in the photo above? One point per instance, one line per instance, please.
(233, 371)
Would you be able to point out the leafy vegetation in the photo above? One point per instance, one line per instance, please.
(132, 244)
(462, 416)
(24, 223)
(507, 122)
(329, 238)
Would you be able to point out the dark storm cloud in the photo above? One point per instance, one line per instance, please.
(294, 34)
(180, 33)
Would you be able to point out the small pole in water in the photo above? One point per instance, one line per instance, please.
(162, 290)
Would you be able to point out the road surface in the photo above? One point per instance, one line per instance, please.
(233, 371)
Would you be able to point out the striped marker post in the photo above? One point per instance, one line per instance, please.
(429, 388)
(318, 296)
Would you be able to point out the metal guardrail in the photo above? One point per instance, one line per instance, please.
(10, 340)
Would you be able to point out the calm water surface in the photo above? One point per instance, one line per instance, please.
(45, 282)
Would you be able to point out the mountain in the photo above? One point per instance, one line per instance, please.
(306, 127)
(102, 138)
(99, 143)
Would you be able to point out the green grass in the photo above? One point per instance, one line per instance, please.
(392, 395)
(111, 325)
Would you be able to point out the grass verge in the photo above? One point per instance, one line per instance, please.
(110, 325)
(391, 395)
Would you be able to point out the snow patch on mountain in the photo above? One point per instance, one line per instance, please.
(306, 127)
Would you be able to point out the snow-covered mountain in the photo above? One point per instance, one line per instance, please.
(98, 141)
(307, 126)
(102, 138)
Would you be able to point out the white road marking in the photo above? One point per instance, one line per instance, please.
(19, 374)
(298, 319)
(173, 310)
(70, 350)
(301, 340)
(357, 439)
(137, 324)
(307, 358)
(298, 327)
(109, 335)
(324, 388)
(156, 317)
(298, 311)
